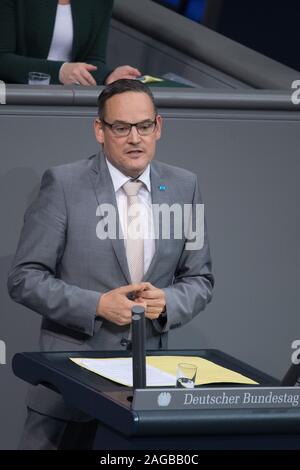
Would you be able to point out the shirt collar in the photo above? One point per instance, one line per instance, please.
(118, 178)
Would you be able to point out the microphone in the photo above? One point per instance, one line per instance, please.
(138, 347)
(292, 377)
(126, 342)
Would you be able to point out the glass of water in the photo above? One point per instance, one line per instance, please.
(186, 375)
(38, 78)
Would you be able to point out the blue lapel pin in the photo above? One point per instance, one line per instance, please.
(162, 187)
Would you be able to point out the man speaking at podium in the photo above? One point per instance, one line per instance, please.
(80, 265)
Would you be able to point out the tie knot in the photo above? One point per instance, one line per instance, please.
(132, 188)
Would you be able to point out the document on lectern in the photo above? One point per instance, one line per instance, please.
(161, 370)
(120, 371)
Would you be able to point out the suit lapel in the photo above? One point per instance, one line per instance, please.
(160, 194)
(83, 25)
(77, 18)
(44, 14)
(105, 194)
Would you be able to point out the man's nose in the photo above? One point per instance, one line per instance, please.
(134, 136)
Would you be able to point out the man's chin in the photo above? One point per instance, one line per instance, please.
(133, 172)
(136, 166)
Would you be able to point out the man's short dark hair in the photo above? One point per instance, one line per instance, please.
(122, 86)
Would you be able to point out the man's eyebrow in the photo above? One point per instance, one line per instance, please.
(117, 121)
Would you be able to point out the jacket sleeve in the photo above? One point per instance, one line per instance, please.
(14, 68)
(193, 282)
(32, 279)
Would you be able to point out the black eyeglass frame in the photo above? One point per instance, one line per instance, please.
(130, 126)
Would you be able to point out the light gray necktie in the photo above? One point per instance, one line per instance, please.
(134, 246)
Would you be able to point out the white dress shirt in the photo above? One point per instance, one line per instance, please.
(62, 39)
(144, 196)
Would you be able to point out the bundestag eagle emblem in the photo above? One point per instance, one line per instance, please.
(164, 399)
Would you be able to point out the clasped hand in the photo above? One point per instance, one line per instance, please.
(115, 305)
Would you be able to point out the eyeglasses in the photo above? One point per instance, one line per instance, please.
(123, 129)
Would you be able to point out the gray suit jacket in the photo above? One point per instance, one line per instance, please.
(61, 267)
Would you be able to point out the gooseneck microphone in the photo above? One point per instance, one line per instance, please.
(292, 377)
(138, 347)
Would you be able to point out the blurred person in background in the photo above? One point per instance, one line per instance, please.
(66, 39)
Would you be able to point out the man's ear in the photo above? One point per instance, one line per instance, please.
(99, 133)
(159, 122)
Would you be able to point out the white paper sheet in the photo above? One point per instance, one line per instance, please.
(120, 371)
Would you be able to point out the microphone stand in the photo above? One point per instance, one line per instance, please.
(138, 345)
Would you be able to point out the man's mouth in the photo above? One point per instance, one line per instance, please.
(134, 152)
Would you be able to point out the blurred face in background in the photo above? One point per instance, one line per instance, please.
(132, 153)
